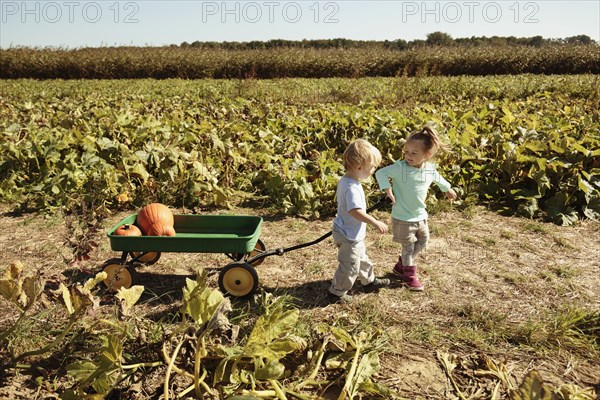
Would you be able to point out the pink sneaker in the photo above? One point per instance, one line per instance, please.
(399, 268)
(410, 279)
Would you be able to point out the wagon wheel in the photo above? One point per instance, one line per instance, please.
(147, 257)
(118, 275)
(238, 279)
(259, 247)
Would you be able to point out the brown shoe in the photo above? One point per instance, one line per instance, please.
(377, 284)
(343, 299)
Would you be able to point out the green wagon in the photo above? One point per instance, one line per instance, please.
(236, 236)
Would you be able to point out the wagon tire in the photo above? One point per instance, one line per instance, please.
(118, 275)
(259, 247)
(238, 279)
(148, 258)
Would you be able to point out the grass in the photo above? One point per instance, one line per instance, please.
(472, 240)
(466, 224)
(535, 227)
(315, 269)
(561, 241)
(490, 242)
(565, 271)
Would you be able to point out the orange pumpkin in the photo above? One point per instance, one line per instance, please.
(159, 229)
(155, 220)
(128, 230)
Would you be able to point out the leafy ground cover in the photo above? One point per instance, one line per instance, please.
(526, 145)
(509, 302)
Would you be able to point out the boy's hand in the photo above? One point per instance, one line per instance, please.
(362, 216)
(451, 194)
(381, 226)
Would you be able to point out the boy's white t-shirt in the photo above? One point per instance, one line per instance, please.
(350, 195)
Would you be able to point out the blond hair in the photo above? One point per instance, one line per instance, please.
(430, 138)
(360, 153)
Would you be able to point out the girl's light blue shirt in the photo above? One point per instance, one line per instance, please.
(410, 186)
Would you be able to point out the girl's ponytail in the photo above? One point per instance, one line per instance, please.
(430, 138)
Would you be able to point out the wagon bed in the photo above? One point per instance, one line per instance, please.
(194, 234)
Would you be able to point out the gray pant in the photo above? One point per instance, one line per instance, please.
(353, 263)
(414, 237)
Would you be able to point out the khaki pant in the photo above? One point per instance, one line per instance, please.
(414, 237)
(353, 263)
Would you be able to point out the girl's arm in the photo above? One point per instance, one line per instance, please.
(444, 185)
(390, 194)
(383, 180)
(451, 194)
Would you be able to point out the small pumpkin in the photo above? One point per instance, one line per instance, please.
(156, 220)
(128, 230)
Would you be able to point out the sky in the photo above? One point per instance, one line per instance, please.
(76, 23)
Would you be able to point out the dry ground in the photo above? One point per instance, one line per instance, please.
(496, 286)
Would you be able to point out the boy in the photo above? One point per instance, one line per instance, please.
(350, 225)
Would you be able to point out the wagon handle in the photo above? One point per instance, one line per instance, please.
(280, 251)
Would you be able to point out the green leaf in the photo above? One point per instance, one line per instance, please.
(579, 148)
(139, 171)
(129, 297)
(11, 283)
(66, 298)
(105, 382)
(529, 208)
(78, 394)
(81, 370)
(368, 365)
(536, 146)
(570, 217)
(532, 388)
(103, 374)
(273, 326)
(82, 298)
(524, 194)
(275, 350)
(508, 117)
(584, 185)
(32, 287)
(91, 283)
(110, 356)
(199, 302)
(377, 389)
(556, 205)
(270, 369)
(592, 209)
(344, 337)
(543, 181)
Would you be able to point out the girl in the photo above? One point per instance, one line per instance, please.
(410, 180)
